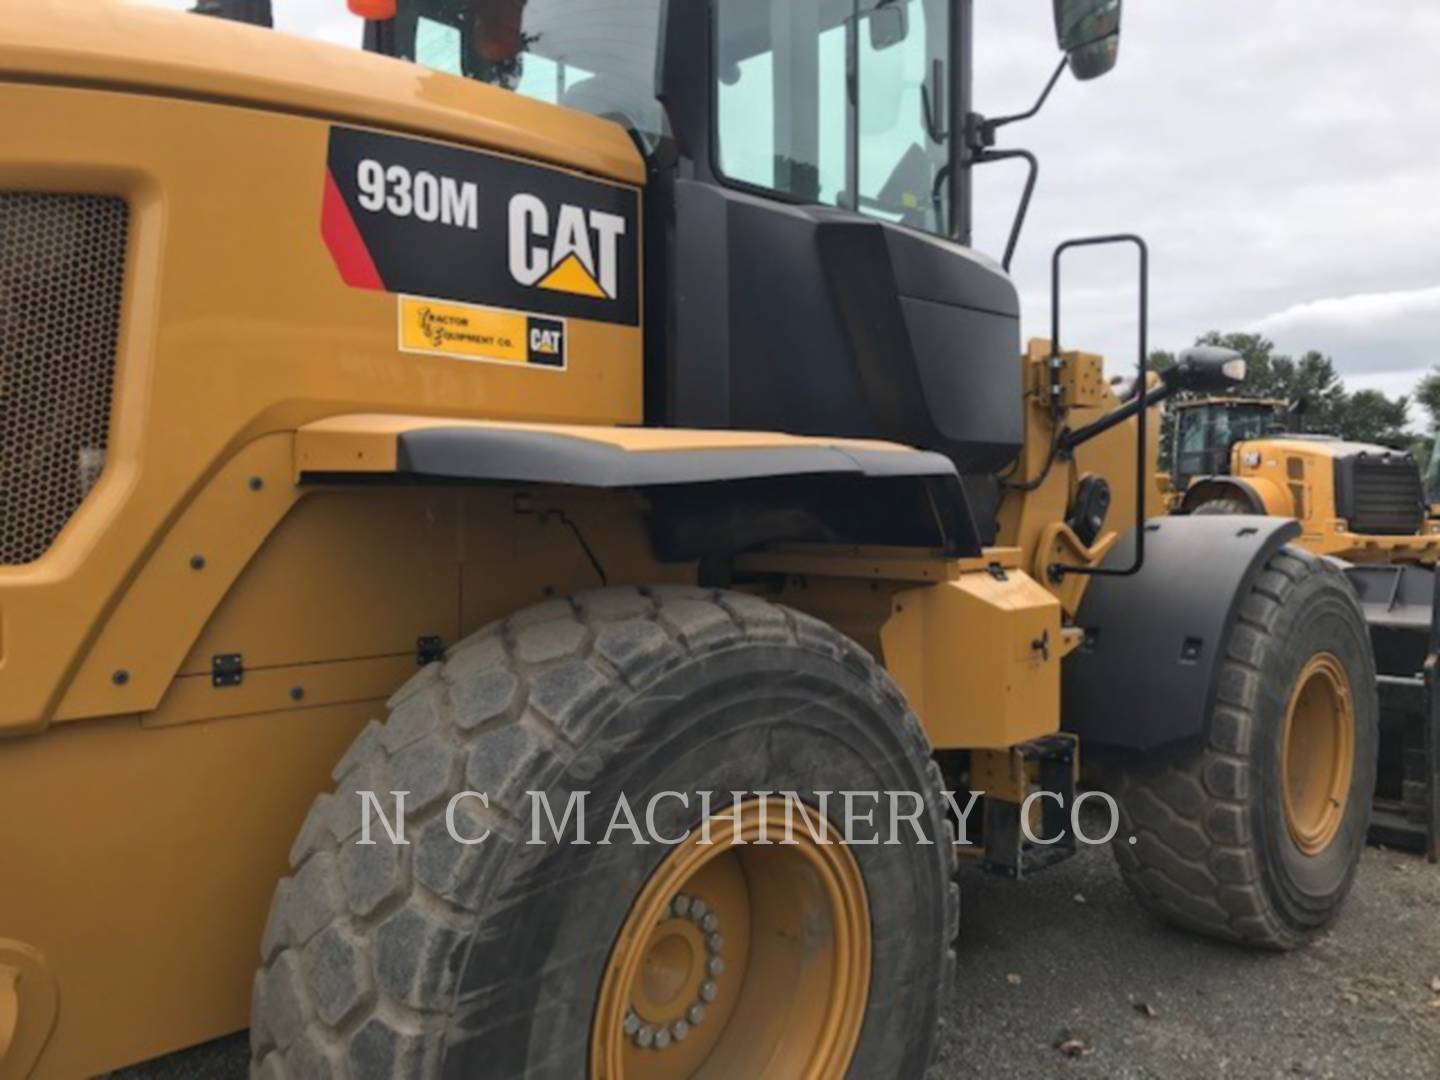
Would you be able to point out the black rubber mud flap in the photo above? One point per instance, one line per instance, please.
(1400, 604)
(1145, 676)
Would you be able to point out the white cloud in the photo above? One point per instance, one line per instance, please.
(1352, 312)
(1377, 333)
(325, 20)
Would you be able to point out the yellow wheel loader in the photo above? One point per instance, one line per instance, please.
(1356, 501)
(1364, 507)
(479, 517)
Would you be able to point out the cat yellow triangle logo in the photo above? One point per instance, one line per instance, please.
(570, 250)
(572, 277)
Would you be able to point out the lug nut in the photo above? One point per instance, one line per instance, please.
(662, 1038)
(679, 1030)
(681, 906)
(698, 910)
(695, 1014)
(715, 943)
(644, 1036)
(709, 992)
(716, 966)
(632, 1023)
(710, 923)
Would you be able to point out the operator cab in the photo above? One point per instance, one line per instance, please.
(807, 266)
(1207, 431)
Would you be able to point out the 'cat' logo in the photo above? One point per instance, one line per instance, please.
(574, 251)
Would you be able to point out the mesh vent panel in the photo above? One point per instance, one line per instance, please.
(62, 270)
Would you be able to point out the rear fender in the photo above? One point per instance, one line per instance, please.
(1144, 678)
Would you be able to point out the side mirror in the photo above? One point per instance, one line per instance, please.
(1088, 32)
(1206, 369)
(889, 24)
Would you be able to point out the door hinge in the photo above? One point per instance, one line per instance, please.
(228, 669)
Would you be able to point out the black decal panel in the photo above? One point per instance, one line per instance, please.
(428, 219)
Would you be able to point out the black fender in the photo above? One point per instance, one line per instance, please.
(1144, 677)
(1206, 488)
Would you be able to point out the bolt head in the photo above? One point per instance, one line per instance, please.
(197, 562)
(121, 677)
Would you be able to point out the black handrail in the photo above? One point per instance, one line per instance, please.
(1142, 477)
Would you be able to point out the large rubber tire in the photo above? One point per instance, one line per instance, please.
(1213, 852)
(485, 961)
(1224, 505)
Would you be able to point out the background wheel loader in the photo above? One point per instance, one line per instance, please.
(614, 406)
(1356, 501)
(1365, 507)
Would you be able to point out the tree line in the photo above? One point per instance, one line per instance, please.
(1368, 416)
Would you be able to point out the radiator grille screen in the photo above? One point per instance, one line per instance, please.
(62, 271)
(1389, 498)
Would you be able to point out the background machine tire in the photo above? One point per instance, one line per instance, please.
(494, 956)
(1247, 836)
(1222, 506)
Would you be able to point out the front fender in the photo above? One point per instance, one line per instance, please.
(1259, 495)
(1144, 678)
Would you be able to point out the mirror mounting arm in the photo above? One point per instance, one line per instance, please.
(985, 129)
(980, 143)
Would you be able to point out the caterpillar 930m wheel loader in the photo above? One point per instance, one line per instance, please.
(1365, 508)
(405, 464)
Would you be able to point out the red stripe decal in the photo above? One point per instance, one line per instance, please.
(342, 237)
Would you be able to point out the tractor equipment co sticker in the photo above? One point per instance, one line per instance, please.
(468, 332)
(429, 219)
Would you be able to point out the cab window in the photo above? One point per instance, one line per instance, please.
(597, 56)
(838, 102)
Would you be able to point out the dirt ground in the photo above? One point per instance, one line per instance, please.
(1068, 958)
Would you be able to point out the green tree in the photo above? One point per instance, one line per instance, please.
(1369, 416)
(1311, 383)
(1364, 416)
(1427, 396)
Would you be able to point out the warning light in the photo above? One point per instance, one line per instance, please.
(372, 9)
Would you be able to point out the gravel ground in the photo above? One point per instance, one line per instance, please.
(1067, 957)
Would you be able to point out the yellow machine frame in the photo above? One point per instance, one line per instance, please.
(245, 362)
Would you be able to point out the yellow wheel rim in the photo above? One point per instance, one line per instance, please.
(741, 957)
(1319, 753)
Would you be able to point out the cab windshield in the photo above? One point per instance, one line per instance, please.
(1206, 433)
(597, 56)
(838, 102)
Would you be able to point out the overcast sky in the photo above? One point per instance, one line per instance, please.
(1282, 157)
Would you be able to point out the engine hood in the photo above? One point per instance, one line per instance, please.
(147, 50)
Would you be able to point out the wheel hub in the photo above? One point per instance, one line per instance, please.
(738, 958)
(677, 975)
(1318, 753)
